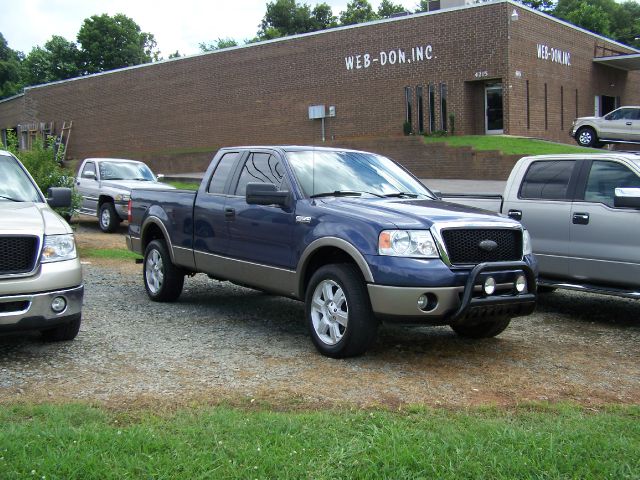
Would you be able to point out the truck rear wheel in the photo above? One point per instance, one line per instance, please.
(485, 329)
(162, 279)
(338, 311)
(108, 218)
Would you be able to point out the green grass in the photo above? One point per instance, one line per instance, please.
(110, 253)
(541, 442)
(185, 185)
(509, 145)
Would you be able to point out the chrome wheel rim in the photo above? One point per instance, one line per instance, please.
(585, 137)
(105, 217)
(154, 273)
(329, 312)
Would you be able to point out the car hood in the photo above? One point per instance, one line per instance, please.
(582, 119)
(131, 184)
(30, 218)
(409, 213)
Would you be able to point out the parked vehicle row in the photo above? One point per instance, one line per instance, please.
(583, 213)
(619, 126)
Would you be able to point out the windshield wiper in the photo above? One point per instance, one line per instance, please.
(343, 193)
(401, 194)
(10, 198)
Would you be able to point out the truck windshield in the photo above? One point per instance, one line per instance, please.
(322, 173)
(125, 171)
(15, 184)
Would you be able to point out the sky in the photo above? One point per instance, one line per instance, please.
(178, 25)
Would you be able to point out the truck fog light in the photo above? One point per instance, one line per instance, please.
(521, 283)
(427, 302)
(423, 301)
(58, 304)
(489, 286)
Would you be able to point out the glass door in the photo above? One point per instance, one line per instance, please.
(493, 109)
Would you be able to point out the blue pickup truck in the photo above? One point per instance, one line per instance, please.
(352, 234)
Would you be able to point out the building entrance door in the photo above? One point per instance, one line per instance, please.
(493, 109)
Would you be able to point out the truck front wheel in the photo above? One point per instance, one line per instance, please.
(338, 312)
(162, 279)
(485, 329)
(587, 137)
(108, 218)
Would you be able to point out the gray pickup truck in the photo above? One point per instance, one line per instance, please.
(583, 214)
(40, 274)
(105, 185)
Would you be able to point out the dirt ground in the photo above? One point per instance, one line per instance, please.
(221, 342)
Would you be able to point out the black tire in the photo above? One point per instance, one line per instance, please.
(485, 329)
(108, 218)
(162, 279)
(64, 332)
(544, 289)
(358, 328)
(586, 137)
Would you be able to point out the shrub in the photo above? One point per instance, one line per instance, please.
(406, 128)
(452, 123)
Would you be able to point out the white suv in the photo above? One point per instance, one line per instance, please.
(619, 126)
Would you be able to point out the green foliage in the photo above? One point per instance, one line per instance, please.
(406, 128)
(542, 5)
(358, 11)
(185, 185)
(108, 253)
(507, 144)
(387, 8)
(11, 82)
(43, 166)
(288, 17)
(217, 45)
(452, 123)
(546, 442)
(114, 42)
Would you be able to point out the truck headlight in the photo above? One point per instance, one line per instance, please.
(122, 197)
(526, 243)
(407, 243)
(57, 248)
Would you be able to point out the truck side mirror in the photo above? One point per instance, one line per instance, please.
(59, 197)
(627, 197)
(266, 194)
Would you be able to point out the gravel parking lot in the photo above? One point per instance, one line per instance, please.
(221, 342)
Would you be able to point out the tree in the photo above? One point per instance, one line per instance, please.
(542, 5)
(387, 8)
(114, 42)
(358, 11)
(217, 45)
(10, 70)
(322, 17)
(58, 60)
(285, 17)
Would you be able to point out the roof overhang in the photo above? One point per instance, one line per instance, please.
(621, 62)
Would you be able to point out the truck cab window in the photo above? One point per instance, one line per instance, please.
(548, 180)
(221, 173)
(89, 170)
(260, 168)
(604, 178)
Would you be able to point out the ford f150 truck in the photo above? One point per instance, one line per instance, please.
(353, 234)
(583, 214)
(105, 185)
(40, 273)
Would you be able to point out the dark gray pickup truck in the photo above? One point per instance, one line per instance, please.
(352, 234)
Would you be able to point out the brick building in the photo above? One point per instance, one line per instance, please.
(486, 68)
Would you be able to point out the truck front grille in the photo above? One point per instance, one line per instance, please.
(464, 245)
(18, 254)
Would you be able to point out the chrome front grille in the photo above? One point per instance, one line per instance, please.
(465, 245)
(18, 254)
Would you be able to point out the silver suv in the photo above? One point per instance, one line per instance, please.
(619, 126)
(40, 273)
(105, 185)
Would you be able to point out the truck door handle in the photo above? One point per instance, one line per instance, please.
(230, 213)
(581, 218)
(515, 214)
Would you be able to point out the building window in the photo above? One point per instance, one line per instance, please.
(408, 101)
(420, 109)
(546, 116)
(443, 106)
(432, 108)
(528, 108)
(561, 108)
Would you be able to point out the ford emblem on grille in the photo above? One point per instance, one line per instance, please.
(488, 245)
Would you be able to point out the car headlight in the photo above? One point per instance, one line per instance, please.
(526, 243)
(122, 197)
(57, 248)
(407, 243)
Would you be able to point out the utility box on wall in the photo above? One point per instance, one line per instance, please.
(316, 111)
